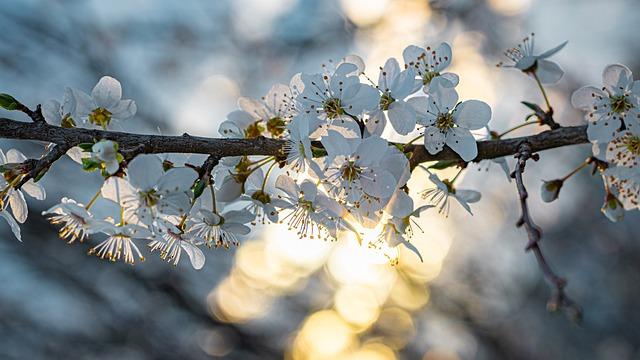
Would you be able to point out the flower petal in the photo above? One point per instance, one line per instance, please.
(549, 72)
(473, 114)
(402, 117)
(15, 228)
(585, 97)
(463, 143)
(18, 206)
(617, 78)
(196, 256)
(144, 171)
(107, 92)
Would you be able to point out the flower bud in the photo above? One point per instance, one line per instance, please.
(550, 190)
(612, 208)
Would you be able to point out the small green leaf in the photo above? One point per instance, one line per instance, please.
(9, 102)
(2, 168)
(119, 157)
(198, 188)
(90, 164)
(531, 106)
(86, 147)
(318, 152)
(443, 164)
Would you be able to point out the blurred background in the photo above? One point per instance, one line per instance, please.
(477, 295)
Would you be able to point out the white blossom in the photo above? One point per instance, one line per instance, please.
(612, 106)
(77, 222)
(172, 242)
(430, 63)
(353, 171)
(106, 152)
(448, 123)
(336, 96)
(61, 114)
(312, 213)
(119, 244)
(523, 58)
(11, 196)
(219, 229)
(395, 86)
(150, 191)
(298, 145)
(439, 196)
(398, 229)
(104, 105)
(261, 202)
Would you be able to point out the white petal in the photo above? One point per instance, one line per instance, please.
(376, 123)
(15, 156)
(463, 143)
(124, 110)
(402, 117)
(229, 190)
(603, 130)
(230, 129)
(77, 154)
(195, 254)
(400, 205)
(549, 72)
(444, 99)
(309, 189)
(473, 114)
(18, 206)
(15, 228)
(237, 228)
(585, 97)
(551, 52)
(382, 185)
(238, 216)
(469, 196)
(107, 92)
(366, 99)
(144, 171)
(253, 107)
(617, 77)
(370, 149)
(336, 144)
(177, 180)
(34, 190)
(388, 74)
(288, 185)
(443, 57)
(112, 167)
(434, 140)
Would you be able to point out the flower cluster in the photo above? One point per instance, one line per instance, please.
(613, 116)
(337, 172)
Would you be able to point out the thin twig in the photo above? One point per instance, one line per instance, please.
(559, 299)
(36, 168)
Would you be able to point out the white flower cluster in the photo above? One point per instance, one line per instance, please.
(337, 172)
(613, 115)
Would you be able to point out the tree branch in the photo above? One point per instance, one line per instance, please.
(133, 144)
(559, 299)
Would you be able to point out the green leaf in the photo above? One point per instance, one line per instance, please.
(318, 152)
(443, 164)
(90, 164)
(2, 169)
(198, 188)
(9, 102)
(531, 106)
(86, 147)
(119, 157)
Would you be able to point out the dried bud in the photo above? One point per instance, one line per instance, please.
(612, 208)
(550, 190)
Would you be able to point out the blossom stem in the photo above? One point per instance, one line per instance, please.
(575, 171)
(414, 140)
(544, 93)
(456, 177)
(93, 199)
(518, 127)
(213, 199)
(266, 176)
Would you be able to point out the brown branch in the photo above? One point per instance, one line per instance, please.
(133, 144)
(559, 299)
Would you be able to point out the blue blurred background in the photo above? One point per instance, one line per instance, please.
(478, 295)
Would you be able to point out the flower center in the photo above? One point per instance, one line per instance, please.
(428, 76)
(449, 184)
(619, 104)
(261, 196)
(100, 116)
(385, 101)
(350, 171)
(333, 108)
(306, 204)
(254, 130)
(276, 126)
(150, 197)
(444, 121)
(633, 145)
